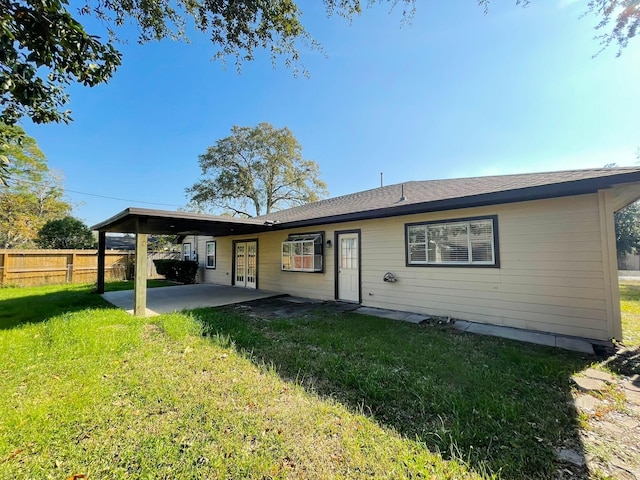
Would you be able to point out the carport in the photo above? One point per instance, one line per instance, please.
(141, 222)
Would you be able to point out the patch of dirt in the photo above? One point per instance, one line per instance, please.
(625, 361)
(291, 307)
(609, 412)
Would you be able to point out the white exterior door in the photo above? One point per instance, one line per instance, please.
(246, 265)
(348, 267)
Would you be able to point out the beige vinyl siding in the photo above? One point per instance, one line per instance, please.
(554, 270)
(304, 284)
(222, 273)
(224, 257)
(550, 276)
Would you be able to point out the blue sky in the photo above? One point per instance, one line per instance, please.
(455, 93)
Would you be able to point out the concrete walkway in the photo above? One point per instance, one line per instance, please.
(186, 297)
(549, 339)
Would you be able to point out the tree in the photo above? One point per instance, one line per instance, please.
(43, 47)
(67, 232)
(20, 156)
(31, 194)
(256, 171)
(160, 243)
(627, 223)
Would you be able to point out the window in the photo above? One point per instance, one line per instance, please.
(186, 251)
(211, 255)
(460, 242)
(303, 253)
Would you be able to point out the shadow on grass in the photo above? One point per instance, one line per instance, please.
(21, 305)
(624, 362)
(501, 406)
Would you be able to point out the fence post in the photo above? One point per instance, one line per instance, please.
(3, 270)
(72, 269)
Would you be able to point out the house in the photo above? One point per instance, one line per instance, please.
(120, 242)
(533, 251)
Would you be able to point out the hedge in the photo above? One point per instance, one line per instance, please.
(183, 271)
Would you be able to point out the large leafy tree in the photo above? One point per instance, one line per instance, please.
(255, 171)
(627, 223)
(43, 47)
(20, 157)
(67, 232)
(31, 194)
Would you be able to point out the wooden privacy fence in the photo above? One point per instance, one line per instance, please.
(39, 267)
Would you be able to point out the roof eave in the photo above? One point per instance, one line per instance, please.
(565, 189)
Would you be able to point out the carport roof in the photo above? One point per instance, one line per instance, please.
(144, 220)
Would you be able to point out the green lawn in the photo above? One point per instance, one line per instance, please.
(88, 389)
(95, 391)
(35, 304)
(630, 306)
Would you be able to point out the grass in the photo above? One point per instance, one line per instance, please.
(85, 388)
(35, 304)
(630, 306)
(501, 406)
(97, 392)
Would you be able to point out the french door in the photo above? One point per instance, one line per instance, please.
(246, 264)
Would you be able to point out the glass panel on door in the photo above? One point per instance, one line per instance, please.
(240, 264)
(252, 270)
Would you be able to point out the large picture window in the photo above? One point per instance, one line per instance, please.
(303, 253)
(454, 242)
(211, 255)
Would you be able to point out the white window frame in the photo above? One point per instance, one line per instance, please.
(310, 246)
(186, 252)
(208, 255)
(468, 222)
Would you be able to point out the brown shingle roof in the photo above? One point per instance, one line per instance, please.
(463, 191)
(419, 196)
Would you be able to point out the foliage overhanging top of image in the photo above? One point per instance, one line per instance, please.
(43, 48)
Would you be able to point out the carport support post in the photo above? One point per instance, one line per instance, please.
(102, 246)
(140, 285)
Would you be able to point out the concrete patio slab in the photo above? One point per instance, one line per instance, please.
(187, 297)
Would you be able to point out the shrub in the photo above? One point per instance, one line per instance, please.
(163, 266)
(177, 270)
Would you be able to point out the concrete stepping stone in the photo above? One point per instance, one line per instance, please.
(587, 403)
(570, 456)
(632, 396)
(633, 385)
(587, 384)
(609, 427)
(599, 375)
